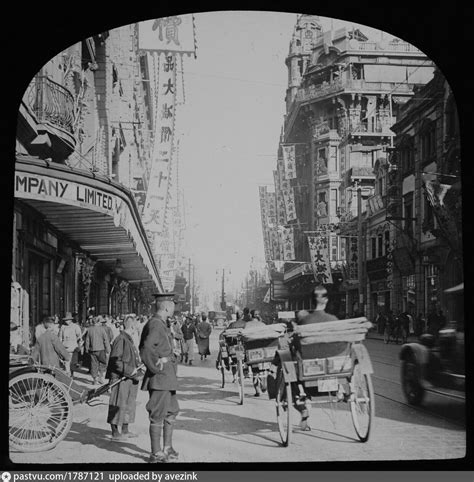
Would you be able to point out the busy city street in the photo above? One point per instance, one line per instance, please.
(237, 237)
(213, 427)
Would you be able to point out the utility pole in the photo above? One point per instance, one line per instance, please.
(190, 286)
(360, 246)
(194, 289)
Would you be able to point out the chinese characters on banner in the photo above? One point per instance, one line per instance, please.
(280, 202)
(168, 34)
(289, 160)
(353, 258)
(163, 41)
(155, 204)
(288, 243)
(319, 251)
(288, 197)
(262, 190)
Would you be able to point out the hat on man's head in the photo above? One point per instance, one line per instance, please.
(68, 316)
(164, 297)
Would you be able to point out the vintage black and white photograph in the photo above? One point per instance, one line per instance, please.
(237, 237)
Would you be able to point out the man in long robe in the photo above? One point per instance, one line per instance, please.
(203, 332)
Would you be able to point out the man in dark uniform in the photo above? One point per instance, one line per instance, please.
(156, 352)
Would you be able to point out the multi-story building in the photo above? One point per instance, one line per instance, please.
(344, 93)
(426, 208)
(83, 142)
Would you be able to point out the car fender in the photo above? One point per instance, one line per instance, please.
(360, 354)
(421, 355)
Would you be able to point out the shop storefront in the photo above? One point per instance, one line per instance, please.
(78, 242)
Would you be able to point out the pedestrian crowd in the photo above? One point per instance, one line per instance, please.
(410, 324)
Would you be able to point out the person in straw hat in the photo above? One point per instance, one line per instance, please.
(70, 336)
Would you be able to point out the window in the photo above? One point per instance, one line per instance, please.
(333, 159)
(373, 253)
(322, 196)
(380, 245)
(408, 214)
(380, 186)
(333, 248)
(428, 144)
(333, 202)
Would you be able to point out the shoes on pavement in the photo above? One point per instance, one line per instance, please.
(303, 426)
(201, 357)
(171, 452)
(159, 457)
(129, 435)
(118, 437)
(257, 394)
(190, 362)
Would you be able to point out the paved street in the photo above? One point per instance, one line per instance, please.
(212, 427)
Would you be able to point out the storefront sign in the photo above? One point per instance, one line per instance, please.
(35, 186)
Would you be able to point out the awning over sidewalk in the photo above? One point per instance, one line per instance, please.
(97, 214)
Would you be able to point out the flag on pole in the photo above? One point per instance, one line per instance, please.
(319, 251)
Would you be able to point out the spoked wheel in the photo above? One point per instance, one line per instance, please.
(283, 410)
(412, 389)
(240, 380)
(40, 412)
(362, 403)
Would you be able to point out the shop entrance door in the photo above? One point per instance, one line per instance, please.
(38, 287)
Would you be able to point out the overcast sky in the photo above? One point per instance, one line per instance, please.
(229, 130)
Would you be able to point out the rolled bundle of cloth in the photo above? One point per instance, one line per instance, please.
(268, 332)
(233, 332)
(353, 329)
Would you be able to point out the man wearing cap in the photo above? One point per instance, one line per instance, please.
(156, 352)
(70, 336)
(98, 346)
(189, 333)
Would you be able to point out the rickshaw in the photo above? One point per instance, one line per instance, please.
(231, 357)
(325, 362)
(41, 400)
(245, 351)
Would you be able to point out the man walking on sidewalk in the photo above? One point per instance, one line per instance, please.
(98, 346)
(156, 352)
(189, 333)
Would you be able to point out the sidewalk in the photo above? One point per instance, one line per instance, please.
(374, 335)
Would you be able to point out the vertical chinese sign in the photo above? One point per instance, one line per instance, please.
(163, 42)
(319, 251)
(289, 159)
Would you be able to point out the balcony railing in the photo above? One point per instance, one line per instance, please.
(51, 103)
(378, 46)
(359, 85)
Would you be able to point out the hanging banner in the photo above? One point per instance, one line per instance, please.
(445, 212)
(271, 209)
(175, 34)
(319, 251)
(290, 208)
(266, 298)
(288, 242)
(157, 194)
(280, 202)
(289, 160)
(262, 190)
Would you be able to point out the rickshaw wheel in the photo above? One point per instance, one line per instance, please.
(240, 377)
(362, 402)
(40, 412)
(283, 411)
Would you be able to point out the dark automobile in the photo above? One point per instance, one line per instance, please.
(434, 363)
